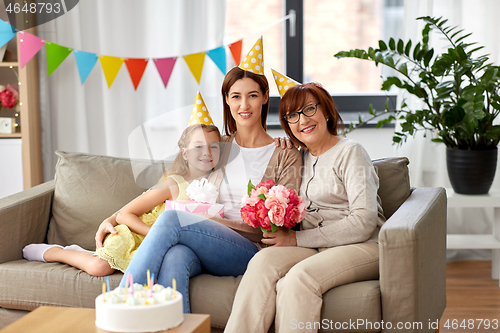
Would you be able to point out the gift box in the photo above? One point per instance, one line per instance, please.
(196, 207)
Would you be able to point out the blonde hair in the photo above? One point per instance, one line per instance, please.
(179, 166)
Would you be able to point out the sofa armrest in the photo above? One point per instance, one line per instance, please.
(24, 218)
(412, 245)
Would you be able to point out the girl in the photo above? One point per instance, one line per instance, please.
(199, 153)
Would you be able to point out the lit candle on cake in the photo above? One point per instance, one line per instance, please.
(149, 280)
(174, 286)
(104, 291)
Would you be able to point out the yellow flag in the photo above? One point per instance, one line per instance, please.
(111, 66)
(195, 63)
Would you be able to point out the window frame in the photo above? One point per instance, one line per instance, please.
(350, 106)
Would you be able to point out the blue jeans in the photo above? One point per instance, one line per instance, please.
(180, 245)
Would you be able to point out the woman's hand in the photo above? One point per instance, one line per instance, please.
(283, 143)
(106, 227)
(280, 237)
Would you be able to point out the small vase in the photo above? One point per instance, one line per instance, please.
(471, 171)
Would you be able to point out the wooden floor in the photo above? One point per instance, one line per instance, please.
(471, 295)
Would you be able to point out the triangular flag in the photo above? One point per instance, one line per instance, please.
(85, 62)
(6, 33)
(195, 63)
(165, 67)
(136, 67)
(29, 45)
(218, 56)
(55, 55)
(110, 67)
(236, 51)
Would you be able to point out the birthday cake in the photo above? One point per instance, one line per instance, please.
(139, 309)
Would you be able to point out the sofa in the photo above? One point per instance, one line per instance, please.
(410, 292)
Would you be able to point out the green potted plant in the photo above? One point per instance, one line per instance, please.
(460, 100)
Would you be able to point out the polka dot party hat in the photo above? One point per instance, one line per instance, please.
(200, 113)
(283, 82)
(254, 60)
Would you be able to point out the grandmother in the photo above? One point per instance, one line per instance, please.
(337, 241)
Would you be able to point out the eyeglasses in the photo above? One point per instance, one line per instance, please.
(308, 111)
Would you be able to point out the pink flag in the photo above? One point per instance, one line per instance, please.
(29, 45)
(165, 67)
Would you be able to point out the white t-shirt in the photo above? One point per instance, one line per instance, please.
(244, 164)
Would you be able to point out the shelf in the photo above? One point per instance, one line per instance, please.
(472, 242)
(10, 136)
(8, 64)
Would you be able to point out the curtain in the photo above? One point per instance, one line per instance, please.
(428, 159)
(93, 118)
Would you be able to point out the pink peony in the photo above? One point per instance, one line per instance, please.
(248, 215)
(292, 216)
(261, 211)
(280, 192)
(277, 210)
(267, 184)
(293, 197)
(266, 223)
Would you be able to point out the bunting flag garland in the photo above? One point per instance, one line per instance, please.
(110, 66)
(165, 67)
(136, 68)
(55, 55)
(29, 45)
(218, 56)
(236, 51)
(6, 33)
(195, 63)
(85, 61)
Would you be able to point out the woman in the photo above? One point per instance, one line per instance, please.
(181, 245)
(337, 243)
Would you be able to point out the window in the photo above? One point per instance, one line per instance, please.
(322, 28)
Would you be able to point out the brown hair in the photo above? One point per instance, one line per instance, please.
(295, 98)
(232, 76)
(179, 166)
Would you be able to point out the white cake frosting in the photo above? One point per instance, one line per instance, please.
(159, 311)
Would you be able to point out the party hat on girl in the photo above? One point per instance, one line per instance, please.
(254, 60)
(283, 82)
(200, 114)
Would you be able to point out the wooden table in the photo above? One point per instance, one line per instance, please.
(49, 319)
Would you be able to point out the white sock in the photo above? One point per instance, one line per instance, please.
(35, 252)
(75, 247)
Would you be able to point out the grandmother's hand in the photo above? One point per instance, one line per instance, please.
(107, 226)
(280, 237)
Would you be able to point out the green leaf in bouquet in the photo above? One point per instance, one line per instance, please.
(250, 187)
(263, 229)
(262, 196)
(274, 227)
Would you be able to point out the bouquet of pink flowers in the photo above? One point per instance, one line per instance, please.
(270, 206)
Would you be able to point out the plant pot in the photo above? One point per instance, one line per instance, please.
(471, 171)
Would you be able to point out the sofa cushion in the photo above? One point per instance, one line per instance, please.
(394, 180)
(26, 285)
(215, 295)
(88, 189)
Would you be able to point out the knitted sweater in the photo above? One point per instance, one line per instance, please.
(340, 189)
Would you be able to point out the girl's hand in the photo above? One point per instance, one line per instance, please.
(106, 227)
(283, 143)
(280, 237)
